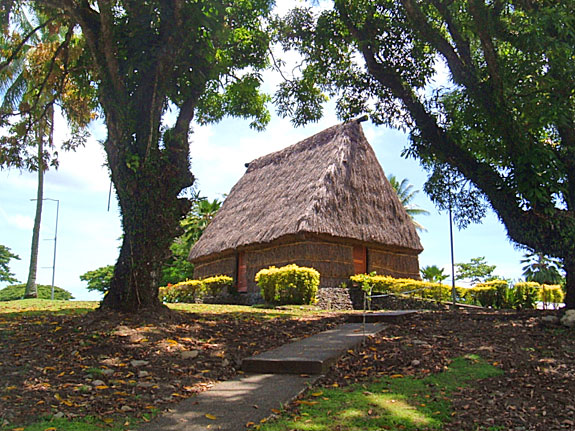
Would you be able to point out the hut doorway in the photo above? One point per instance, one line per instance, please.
(359, 259)
(242, 273)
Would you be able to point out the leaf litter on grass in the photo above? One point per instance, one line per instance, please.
(109, 366)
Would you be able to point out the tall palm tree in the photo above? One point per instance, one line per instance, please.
(30, 87)
(406, 194)
(16, 85)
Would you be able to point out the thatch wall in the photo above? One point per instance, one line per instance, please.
(393, 263)
(225, 265)
(332, 258)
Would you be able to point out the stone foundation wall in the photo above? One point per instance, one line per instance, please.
(337, 298)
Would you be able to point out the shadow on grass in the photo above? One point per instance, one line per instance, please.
(36, 307)
(395, 402)
(88, 423)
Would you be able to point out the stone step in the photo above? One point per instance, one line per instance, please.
(381, 316)
(312, 355)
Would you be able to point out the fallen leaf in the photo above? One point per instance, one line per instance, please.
(211, 417)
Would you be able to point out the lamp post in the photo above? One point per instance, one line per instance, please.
(55, 241)
(452, 255)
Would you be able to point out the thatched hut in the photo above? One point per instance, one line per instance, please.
(323, 202)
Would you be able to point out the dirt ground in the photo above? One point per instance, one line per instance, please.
(75, 365)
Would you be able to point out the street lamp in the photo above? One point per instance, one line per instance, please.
(55, 240)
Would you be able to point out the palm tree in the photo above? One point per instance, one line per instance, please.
(541, 269)
(406, 194)
(433, 274)
(29, 89)
(17, 84)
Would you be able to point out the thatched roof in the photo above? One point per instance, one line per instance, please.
(328, 184)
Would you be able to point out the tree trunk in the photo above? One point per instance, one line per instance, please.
(147, 192)
(31, 288)
(569, 265)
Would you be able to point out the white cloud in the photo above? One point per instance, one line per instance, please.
(17, 221)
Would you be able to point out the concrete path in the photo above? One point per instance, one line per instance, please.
(312, 355)
(230, 405)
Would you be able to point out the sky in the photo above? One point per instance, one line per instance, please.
(88, 233)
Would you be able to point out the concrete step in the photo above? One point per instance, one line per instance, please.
(312, 355)
(381, 316)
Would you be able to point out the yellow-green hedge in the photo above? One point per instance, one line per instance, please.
(551, 294)
(290, 284)
(522, 295)
(187, 291)
(495, 293)
(217, 284)
(386, 284)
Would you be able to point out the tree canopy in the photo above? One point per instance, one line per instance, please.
(5, 257)
(501, 130)
(476, 270)
(142, 61)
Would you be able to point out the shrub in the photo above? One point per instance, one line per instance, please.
(494, 293)
(215, 285)
(266, 279)
(524, 295)
(485, 296)
(186, 291)
(372, 283)
(12, 293)
(290, 284)
(550, 294)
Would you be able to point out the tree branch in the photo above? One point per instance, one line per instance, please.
(108, 45)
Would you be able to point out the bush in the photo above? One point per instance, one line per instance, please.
(289, 284)
(186, 291)
(215, 285)
(481, 295)
(372, 283)
(494, 293)
(266, 279)
(12, 293)
(524, 295)
(550, 294)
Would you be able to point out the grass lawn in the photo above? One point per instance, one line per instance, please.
(32, 307)
(390, 403)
